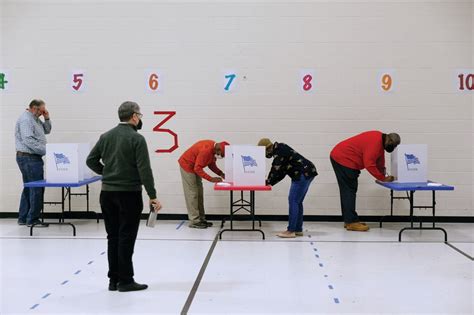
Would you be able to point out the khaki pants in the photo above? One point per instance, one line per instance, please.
(194, 196)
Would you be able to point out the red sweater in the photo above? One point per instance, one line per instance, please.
(364, 150)
(199, 156)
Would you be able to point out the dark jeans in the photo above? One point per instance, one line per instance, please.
(31, 202)
(121, 211)
(347, 179)
(298, 190)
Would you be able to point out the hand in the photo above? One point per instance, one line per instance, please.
(216, 179)
(156, 204)
(388, 179)
(223, 175)
(45, 114)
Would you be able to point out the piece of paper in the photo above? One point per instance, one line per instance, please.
(223, 184)
(435, 184)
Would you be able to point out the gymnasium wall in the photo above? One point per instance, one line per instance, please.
(346, 46)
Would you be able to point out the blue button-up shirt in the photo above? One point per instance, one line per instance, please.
(30, 134)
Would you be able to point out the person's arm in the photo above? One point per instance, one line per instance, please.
(370, 163)
(202, 161)
(94, 157)
(213, 166)
(29, 139)
(144, 168)
(47, 123)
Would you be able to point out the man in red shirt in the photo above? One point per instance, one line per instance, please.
(192, 163)
(365, 150)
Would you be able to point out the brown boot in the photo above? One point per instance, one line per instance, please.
(363, 223)
(299, 234)
(287, 234)
(357, 226)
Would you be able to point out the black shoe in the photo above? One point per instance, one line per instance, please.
(207, 223)
(37, 223)
(21, 222)
(112, 286)
(133, 286)
(199, 225)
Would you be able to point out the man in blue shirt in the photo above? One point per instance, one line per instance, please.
(30, 142)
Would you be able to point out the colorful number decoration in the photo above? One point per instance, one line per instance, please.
(306, 81)
(386, 81)
(229, 79)
(169, 115)
(77, 81)
(3, 80)
(466, 81)
(154, 80)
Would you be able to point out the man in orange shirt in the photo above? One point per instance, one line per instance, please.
(192, 163)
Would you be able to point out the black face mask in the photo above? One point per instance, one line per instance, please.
(389, 148)
(269, 155)
(139, 125)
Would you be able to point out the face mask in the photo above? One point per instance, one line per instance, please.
(389, 148)
(269, 155)
(139, 125)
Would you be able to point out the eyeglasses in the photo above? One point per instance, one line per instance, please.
(139, 115)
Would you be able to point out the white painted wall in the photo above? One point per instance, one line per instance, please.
(193, 42)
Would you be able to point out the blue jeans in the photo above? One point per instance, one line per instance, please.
(31, 201)
(298, 190)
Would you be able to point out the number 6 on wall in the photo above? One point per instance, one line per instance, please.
(159, 129)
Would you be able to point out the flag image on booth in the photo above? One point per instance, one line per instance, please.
(409, 163)
(245, 165)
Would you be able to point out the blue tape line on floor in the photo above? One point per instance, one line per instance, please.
(330, 287)
(180, 225)
(64, 282)
(325, 276)
(311, 243)
(336, 300)
(90, 262)
(321, 265)
(315, 249)
(102, 253)
(34, 306)
(46, 295)
(77, 272)
(316, 255)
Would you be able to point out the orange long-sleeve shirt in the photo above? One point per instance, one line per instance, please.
(364, 150)
(199, 156)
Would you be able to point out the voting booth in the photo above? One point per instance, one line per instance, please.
(66, 162)
(245, 165)
(410, 163)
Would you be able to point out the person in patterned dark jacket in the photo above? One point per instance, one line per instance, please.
(287, 161)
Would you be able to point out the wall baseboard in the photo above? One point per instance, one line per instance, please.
(266, 217)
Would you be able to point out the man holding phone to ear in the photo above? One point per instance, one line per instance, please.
(121, 157)
(30, 143)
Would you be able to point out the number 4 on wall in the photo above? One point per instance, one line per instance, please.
(159, 129)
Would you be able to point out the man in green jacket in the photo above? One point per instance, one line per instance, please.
(121, 157)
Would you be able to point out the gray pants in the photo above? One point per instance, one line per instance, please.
(194, 196)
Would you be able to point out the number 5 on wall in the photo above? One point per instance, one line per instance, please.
(77, 82)
(159, 129)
